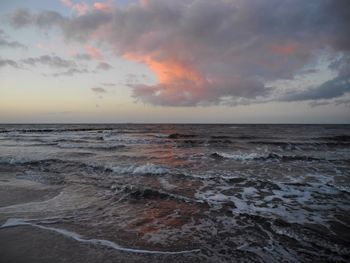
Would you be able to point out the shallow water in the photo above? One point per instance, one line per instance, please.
(260, 193)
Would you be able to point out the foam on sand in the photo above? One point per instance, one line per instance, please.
(14, 222)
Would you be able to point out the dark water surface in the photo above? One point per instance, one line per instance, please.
(212, 193)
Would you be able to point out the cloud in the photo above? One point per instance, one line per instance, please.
(4, 42)
(83, 56)
(11, 44)
(8, 62)
(80, 8)
(212, 52)
(52, 61)
(98, 90)
(70, 72)
(93, 52)
(105, 7)
(132, 79)
(45, 19)
(331, 89)
(103, 66)
(108, 84)
(83, 8)
(177, 89)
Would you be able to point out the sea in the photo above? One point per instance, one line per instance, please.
(196, 192)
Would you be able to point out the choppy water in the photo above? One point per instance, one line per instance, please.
(261, 193)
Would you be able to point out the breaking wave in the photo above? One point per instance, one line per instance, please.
(147, 168)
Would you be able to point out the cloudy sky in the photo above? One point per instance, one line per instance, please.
(236, 61)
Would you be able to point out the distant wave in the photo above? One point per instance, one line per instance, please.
(181, 136)
(257, 156)
(338, 138)
(151, 193)
(296, 145)
(92, 147)
(50, 161)
(12, 161)
(56, 130)
(238, 157)
(144, 169)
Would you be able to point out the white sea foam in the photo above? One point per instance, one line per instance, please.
(13, 222)
(240, 156)
(276, 201)
(12, 160)
(147, 168)
(161, 135)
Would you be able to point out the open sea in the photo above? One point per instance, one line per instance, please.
(185, 193)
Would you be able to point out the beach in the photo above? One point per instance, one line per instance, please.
(174, 193)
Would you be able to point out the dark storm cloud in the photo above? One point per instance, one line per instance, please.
(52, 61)
(208, 52)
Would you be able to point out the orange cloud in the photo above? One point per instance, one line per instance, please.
(169, 71)
(93, 52)
(105, 7)
(67, 3)
(178, 81)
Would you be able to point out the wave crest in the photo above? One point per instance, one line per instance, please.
(262, 157)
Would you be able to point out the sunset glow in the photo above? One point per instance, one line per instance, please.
(199, 56)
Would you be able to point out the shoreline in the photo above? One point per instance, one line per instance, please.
(21, 240)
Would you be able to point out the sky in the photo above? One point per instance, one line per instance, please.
(175, 61)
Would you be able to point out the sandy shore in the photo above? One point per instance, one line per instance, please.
(29, 245)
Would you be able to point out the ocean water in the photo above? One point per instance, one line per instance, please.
(215, 193)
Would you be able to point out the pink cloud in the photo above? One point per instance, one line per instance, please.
(105, 7)
(67, 3)
(143, 3)
(93, 52)
(207, 51)
(79, 8)
(284, 49)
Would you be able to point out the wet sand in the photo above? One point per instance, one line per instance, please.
(30, 245)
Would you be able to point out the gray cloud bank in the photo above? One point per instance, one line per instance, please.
(52, 61)
(6, 43)
(55, 62)
(334, 88)
(210, 52)
(8, 62)
(98, 90)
